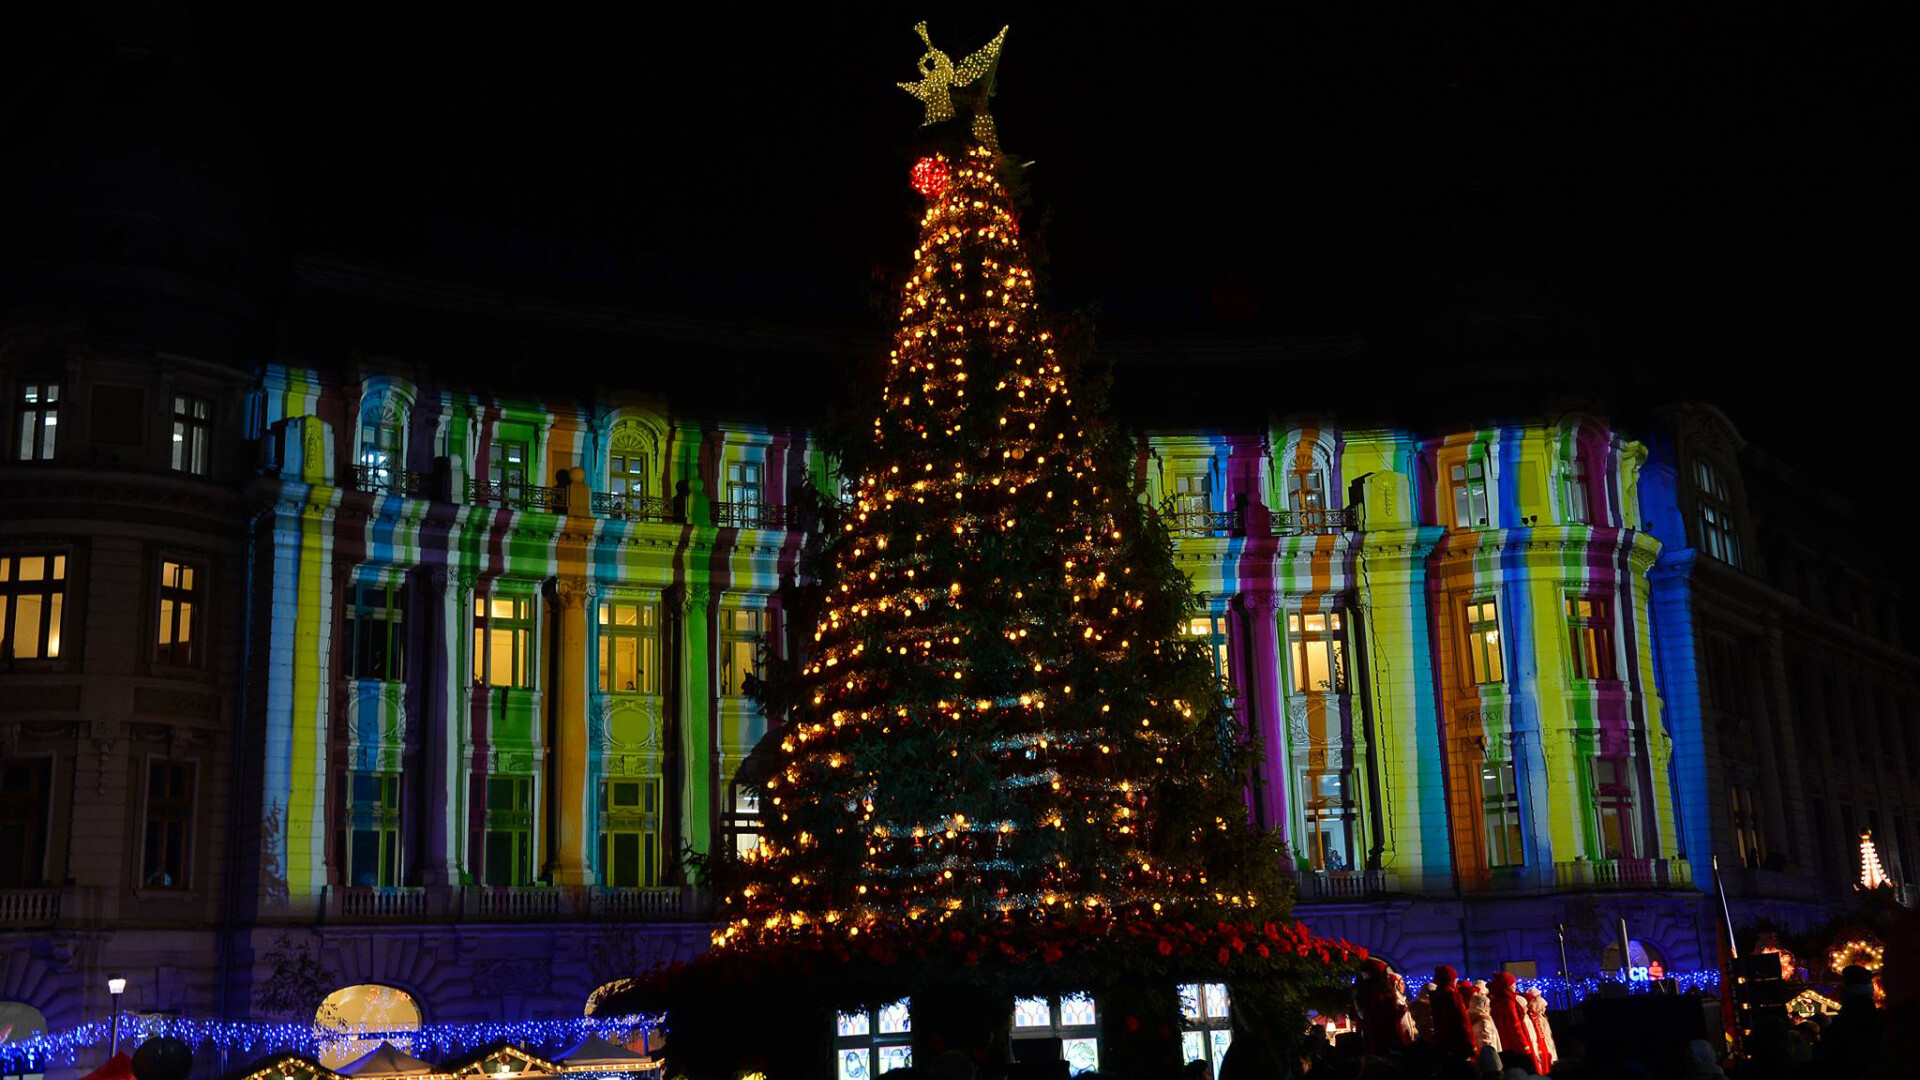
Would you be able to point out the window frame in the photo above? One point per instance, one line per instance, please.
(384, 820)
(53, 606)
(194, 596)
(644, 820)
(178, 811)
(862, 1031)
(1316, 812)
(736, 483)
(32, 811)
(1215, 625)
(1070, 1035)
(631, 479)
(503, 471)
(1747, 825)
(1512, 823)
(1579, 490)
(1200, 1025)
(391, 623)
(1715, 523)
(1590, 637)
(644, 633)
(523, 647)
(192, 433)
(731, 639)
(1470, 485)
(37, 404)
(742, 817)
(519, 823)
(1486, 660)
(1619, 802)
(1331, 639)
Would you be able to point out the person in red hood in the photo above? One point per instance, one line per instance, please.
(1451, 1032)
(1380, 1009)
(1510, 1019)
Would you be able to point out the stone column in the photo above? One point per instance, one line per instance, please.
(694, 739)
(443, 719)
(1262, 685)
(572, 668)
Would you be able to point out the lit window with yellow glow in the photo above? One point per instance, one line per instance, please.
(503, 641)
(629, 647)
(1212, 629)
(1484, 663)
(33, 593)
(1590, 628)
(741, 630)
(1318, 643)
(178, 628)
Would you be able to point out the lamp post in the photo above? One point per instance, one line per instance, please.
(115, 987)
(1566, 991)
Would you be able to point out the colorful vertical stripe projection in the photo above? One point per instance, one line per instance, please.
(533, 542)
(1403, 721)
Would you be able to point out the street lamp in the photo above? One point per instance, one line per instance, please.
(116, 986)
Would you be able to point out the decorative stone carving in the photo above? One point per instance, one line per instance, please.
(524, 977)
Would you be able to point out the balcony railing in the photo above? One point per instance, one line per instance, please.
(663, 903)
(1624, 874)
(753, 515)
(1342, 884)
(552, 500)
(512, 902)
(633, 507)
(1191, 521)
(362, 903)
(386, 480)
(29, 907)
(1319, 522)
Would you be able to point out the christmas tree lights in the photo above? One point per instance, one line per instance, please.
(1872, 874)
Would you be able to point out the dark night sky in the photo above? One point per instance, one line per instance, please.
(1720, 188)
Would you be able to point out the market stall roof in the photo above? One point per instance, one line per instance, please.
(386, 1060)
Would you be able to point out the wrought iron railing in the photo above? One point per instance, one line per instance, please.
(753, 515)
(1317, 522)
(633, 507)
(386, 480)
(518, 496)
(1189, 521)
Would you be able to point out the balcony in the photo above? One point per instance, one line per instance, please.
(362, 904)
(753, 515)
(1343, 884)
(627, 507)
(512, 902)
(1623, 874)
(551, 500)
(21, 908)
(1189, 521)
(1321, 522)
(385, 480)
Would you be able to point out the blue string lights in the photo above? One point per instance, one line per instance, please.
(252, 1038)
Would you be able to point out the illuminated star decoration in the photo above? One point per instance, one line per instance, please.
(939, 77)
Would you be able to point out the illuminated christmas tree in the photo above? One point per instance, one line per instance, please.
(1872, 874)
(1001, 768)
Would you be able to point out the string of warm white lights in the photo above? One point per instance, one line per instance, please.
(253, 1038)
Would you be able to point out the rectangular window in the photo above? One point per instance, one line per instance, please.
(163, 863)
(743, 818)
(192, 430)
(1749, 835)
(503, 641)
(743, 483)
(1468, 480)
(1329, 813)
(509, 830)
(1212, 629)
(873, 1042)
(507, 464)
(1500, 813)
(1590, 626)
(376, 644)
(38, 407)
(33, 592)
(1307, 500)
(1484, 662)
(1205, 1014)
(24, 784)
(1071, 1019)
(177, 631)
(1613, 800)
(740, 632)
(627, 474)
(1719, 532)
(1319, 645)
(1579, 504)
(373, 829)
(629, 647)
(381, 449)
(1726, 681)
(630, 833)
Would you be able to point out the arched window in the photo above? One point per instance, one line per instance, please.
(19, 1022)
(364, 1016)
(380, 449)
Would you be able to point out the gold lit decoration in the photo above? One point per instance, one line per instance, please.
(1872, 874)
(1813, 1003)
(1864, 951)
(939, 77)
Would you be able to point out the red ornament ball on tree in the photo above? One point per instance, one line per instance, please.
(930, 177)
